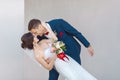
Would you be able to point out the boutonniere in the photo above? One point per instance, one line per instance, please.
(60, 34)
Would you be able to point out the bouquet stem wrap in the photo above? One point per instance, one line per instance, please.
(60, 46)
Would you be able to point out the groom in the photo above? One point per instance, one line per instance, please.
(66, 33)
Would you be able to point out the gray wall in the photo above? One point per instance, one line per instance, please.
(98, 20)
(11, 29)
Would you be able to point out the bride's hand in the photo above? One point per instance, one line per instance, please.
(53, 49)
(54, 56)
(48, 60)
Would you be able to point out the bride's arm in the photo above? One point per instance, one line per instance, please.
(45, 63)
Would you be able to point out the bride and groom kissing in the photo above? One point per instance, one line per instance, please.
(41, 39)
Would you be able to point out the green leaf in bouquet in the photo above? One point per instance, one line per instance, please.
(63, 48)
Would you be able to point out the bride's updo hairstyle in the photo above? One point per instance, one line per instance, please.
(27, 41)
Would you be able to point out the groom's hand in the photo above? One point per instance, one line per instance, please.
(90, 50)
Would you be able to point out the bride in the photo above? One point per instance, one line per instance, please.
(44, 53)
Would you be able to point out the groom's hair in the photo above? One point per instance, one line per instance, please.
(33, 23)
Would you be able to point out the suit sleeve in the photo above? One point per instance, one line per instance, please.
(71, 30)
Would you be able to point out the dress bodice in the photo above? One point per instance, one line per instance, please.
(47, 52)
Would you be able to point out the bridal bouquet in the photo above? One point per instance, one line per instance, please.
(60, 46)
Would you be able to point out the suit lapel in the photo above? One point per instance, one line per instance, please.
(51, 33)
(51, 25)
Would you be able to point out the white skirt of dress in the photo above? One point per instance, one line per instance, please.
(71, 70)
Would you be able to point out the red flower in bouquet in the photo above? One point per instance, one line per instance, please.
(62, 56)
(60, 46)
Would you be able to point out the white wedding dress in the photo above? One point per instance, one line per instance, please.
(70, 69)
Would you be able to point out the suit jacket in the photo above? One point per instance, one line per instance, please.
(66, 33)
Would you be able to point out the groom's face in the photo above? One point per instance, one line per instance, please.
(40, 30)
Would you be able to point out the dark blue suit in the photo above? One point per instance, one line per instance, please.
(65, 33)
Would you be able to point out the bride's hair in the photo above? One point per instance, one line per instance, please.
(27, 41)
